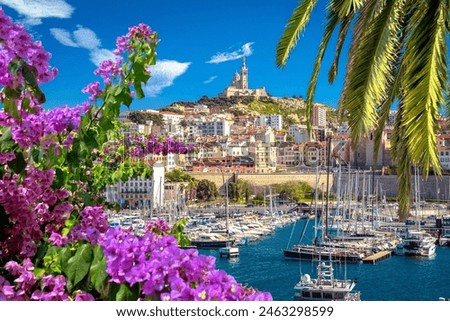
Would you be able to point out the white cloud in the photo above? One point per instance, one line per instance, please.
(98, 55)
(83, 38)
(64, 37)
(245, 50)
(86, 38)
(210, 80)
(34, 10)
(163, 75)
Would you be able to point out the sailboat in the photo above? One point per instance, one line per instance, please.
(415, 241)
(321, 246)
(229, 250)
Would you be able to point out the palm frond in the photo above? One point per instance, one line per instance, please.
(425, 81)
(296, 24)
(447, 99)
(361, 24)
(394, 91)
(344, 8)
(333, 20)
(331, 25)
(343, 31)
(371, 69)
(400, 154)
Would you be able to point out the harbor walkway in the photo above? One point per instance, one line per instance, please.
(377, 257)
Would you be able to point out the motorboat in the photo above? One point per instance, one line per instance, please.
(229, 251)
(416, 243)
(325, 287)
(211, 241)
(315, 252)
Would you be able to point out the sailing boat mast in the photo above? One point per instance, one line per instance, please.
(328, 183)
(338, 198)
(315, 204)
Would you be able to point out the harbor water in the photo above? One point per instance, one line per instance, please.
(262, 265)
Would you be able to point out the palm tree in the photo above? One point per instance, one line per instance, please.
(397, 57)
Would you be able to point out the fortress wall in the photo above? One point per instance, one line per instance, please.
(431, 188)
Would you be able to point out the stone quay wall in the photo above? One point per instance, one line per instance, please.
(432, 188)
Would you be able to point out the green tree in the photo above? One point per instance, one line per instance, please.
(188, 183)
(206, 190)
(259, 199)
(397, 57)
(178, 176)
(140, 117)
(239, 191)
(293, 191)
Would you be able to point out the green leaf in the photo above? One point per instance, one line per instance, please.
(64, 256)
(127, 294)
(14, 66)
(139, 91)
(87, 199)
(98, 273)
(13, 93)
(28, 75)
(6, 141)
(60, 178)
(79, 264)
(18, 164)
(91, 139)
(10, 108)
(41, 251)
(38, 272)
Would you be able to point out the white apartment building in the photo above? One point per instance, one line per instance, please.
(274, 121)
(199, 108)
(237, 149)
(218, 127)
(139, 192)
(171, 117)
(300, 133)
(319, 115)
(264, 155)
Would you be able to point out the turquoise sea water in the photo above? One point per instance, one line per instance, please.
(398, 278)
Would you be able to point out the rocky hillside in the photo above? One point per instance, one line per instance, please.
(292, 109)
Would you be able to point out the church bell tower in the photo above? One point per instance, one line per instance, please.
(244, 75)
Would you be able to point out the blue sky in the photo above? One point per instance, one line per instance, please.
(202, 44)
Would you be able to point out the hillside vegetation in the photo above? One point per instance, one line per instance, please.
(292, 109)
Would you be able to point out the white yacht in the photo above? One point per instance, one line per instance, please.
(325, 287)
(416, 243)
(444, 238)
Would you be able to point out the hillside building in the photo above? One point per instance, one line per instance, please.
(239, 85)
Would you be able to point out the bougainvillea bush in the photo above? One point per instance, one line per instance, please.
(55, 240)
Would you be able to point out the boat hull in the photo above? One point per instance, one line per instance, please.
(312, 254)
(210, 245)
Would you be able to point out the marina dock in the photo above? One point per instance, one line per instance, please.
(377, 257)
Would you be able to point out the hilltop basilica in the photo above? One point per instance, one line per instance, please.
(239, 85)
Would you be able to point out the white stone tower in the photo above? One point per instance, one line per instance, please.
(244, 75)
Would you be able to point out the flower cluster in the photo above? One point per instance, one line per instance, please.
(16, 44)
(141, 33)
(157, 226)
(109, 69)
(23, 283)
(32, 208)
(93, 224)
(26, 286)
(167, 272)
(23, 63)
(40, 128)
(139, 146)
